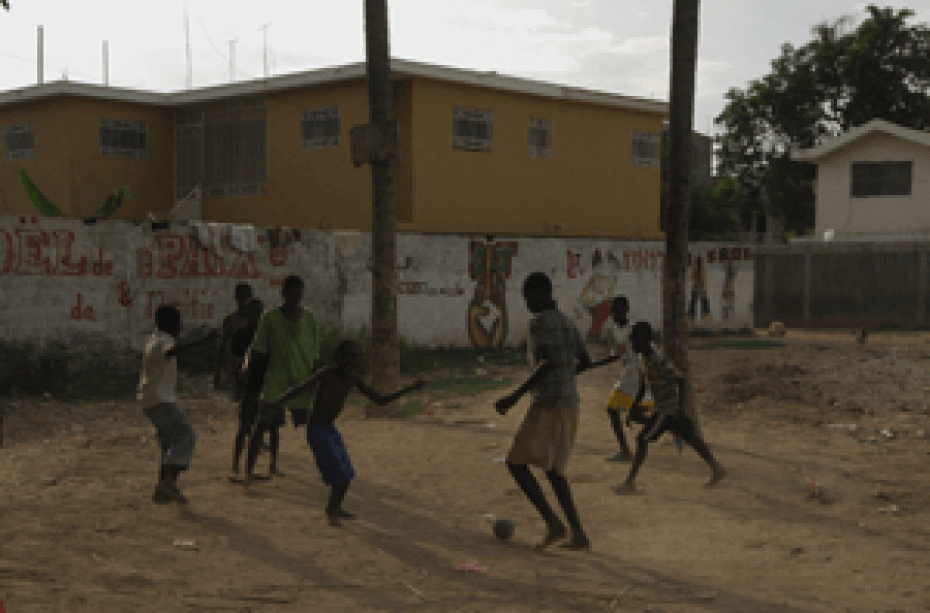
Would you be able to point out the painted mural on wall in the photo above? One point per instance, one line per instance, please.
(489, 266)
(61, 279)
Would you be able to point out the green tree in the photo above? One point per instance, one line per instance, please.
(844, 77)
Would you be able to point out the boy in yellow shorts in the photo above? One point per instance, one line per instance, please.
(624, 393)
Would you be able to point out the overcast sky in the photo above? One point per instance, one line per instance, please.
(617, 46)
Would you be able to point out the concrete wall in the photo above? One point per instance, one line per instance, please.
(61, 279)
(843, 285)
(837, 210)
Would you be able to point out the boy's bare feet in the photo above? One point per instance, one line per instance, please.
(625, 488)
(250, 479)
(553, 534)
(717, 476)
(578, 542)
(335, 516)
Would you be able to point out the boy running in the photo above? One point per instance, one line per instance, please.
(626, 388)
(288, 342)
(232, 323)
(158, 395)
(248, 394)
(333, 385)
(669, 415)
(547, 434)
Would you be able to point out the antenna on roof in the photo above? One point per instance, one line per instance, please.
(106, 62)
(187, 46)
(264, 30)
(40, 55)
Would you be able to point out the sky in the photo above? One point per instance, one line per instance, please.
(616, 46)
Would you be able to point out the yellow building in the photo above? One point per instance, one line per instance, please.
(478, 152)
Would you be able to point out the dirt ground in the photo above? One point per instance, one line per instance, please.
(825, 507)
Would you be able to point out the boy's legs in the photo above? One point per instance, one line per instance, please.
(530, 486)
(653, 427)
(697, 443)
(334, 510)
(274, 440)
(616, 423)
(248, 410)
(255, 445)
(177, 440)
(564, 495)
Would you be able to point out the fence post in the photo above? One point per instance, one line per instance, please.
(921, 286)
(808, 274)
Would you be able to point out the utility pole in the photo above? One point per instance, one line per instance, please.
(264, 30)
(189, 80)
(106, 62)
(40, 55)
(232, 59)
(385, 361)
(681, 121)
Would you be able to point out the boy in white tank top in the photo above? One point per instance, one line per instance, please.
(624, 392)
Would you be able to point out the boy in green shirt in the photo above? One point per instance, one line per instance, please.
(288, 341)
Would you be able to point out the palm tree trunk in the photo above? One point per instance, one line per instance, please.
(385, 361)
(684, 64)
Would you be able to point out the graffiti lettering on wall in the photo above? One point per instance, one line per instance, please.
(47, 253)
(197, 304)
(489, 264)
(181, 256)
(422, 288)
(81, 311)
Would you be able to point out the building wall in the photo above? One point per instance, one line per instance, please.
(63, 280)
(589, 185)
(838, 211)
(69, 167)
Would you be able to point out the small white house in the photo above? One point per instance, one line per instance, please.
(873, 183)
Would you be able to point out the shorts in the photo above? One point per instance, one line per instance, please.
(545, 437)
(660, 423)
(331, 455)
(621, 401)
(176, 435)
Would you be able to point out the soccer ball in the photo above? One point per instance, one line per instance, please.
(503, 529)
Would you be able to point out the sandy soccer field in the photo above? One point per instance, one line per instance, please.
(825, 508)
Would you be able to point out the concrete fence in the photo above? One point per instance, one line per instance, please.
(843, 285)
(63, 280)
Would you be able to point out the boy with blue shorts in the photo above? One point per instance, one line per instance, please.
(333, 385)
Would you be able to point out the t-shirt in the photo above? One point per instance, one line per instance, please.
(292, 347)
(158, 381)
(558, 387)
(618, 338)
(663, 377)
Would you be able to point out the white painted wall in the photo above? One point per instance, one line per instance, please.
(900, 215)
(63, 280)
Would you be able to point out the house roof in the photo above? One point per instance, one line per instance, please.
(876, 125)
(399, 68)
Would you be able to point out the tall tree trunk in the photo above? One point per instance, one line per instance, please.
(385, 361)
(684, 64)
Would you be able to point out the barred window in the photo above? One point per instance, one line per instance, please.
(540, 138)
(18, 141)
(234, 150)
(125, 139)
(881, 179)
(471, 129)
(645, 149)
(319, 128)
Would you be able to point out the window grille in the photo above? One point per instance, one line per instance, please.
(471, 130)
(645, 149)
(319, 128)
(125, 139)
(540, 138)
(18, 141)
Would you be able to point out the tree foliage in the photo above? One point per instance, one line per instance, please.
(844, 77)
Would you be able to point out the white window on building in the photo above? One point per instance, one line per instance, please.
(319, 128)
(540, 138)
(125, 139)
(471, 130)
(18, 141)
(870, 179)
(645, 149)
